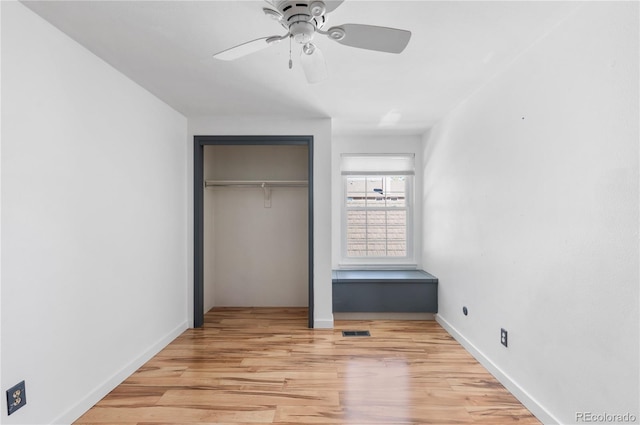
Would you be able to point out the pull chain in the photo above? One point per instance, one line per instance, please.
(290, 61)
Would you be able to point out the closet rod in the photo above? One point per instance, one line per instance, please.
(256, 183)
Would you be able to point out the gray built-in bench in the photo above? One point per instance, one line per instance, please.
(384, 291)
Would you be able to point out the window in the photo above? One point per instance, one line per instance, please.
(377, 213)
(376, 216)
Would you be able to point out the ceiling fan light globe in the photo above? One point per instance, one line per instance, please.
(302, 32)
(302, 38)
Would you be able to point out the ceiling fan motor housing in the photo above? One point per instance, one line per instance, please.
(301, 18)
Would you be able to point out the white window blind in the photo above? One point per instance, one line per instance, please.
(377, 164)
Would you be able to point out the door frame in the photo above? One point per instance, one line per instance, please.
(199, 142)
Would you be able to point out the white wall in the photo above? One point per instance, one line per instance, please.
(531, 218)
(386, 144)
(256, 256)
(93, 222)
(320, 129)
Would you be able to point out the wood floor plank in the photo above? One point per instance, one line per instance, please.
(265, 398)
(228, 382)
(363, 415)
(264, 366)
(183, 415)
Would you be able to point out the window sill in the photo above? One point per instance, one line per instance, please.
(377, 266)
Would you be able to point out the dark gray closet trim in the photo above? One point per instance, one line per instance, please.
(198, 203)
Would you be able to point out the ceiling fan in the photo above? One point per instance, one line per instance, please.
(303, 19)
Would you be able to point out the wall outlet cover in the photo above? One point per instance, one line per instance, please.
(16, 397)
(504, 337)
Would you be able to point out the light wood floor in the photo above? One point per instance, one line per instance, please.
(263, 366)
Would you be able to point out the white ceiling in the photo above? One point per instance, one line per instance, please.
(167, 46)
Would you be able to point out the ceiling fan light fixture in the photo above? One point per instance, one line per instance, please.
(302, 32)
(317, 8)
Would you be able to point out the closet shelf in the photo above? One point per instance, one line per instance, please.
(256, 183)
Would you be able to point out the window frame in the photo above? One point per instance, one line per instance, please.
(384, 261)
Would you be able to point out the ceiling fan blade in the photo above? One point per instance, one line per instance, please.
(372, 37)
(314, 65)
(332, 5)
(245, 49)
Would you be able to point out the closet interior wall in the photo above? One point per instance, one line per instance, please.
(255, 245)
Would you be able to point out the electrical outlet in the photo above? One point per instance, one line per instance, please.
(503, 337)
(16, 397)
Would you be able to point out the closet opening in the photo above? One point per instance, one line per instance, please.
(253, 223)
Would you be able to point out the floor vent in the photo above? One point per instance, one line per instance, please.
(356, 333)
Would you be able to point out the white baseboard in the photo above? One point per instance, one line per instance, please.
(518, 392)
(103, 389)
(323, 323)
